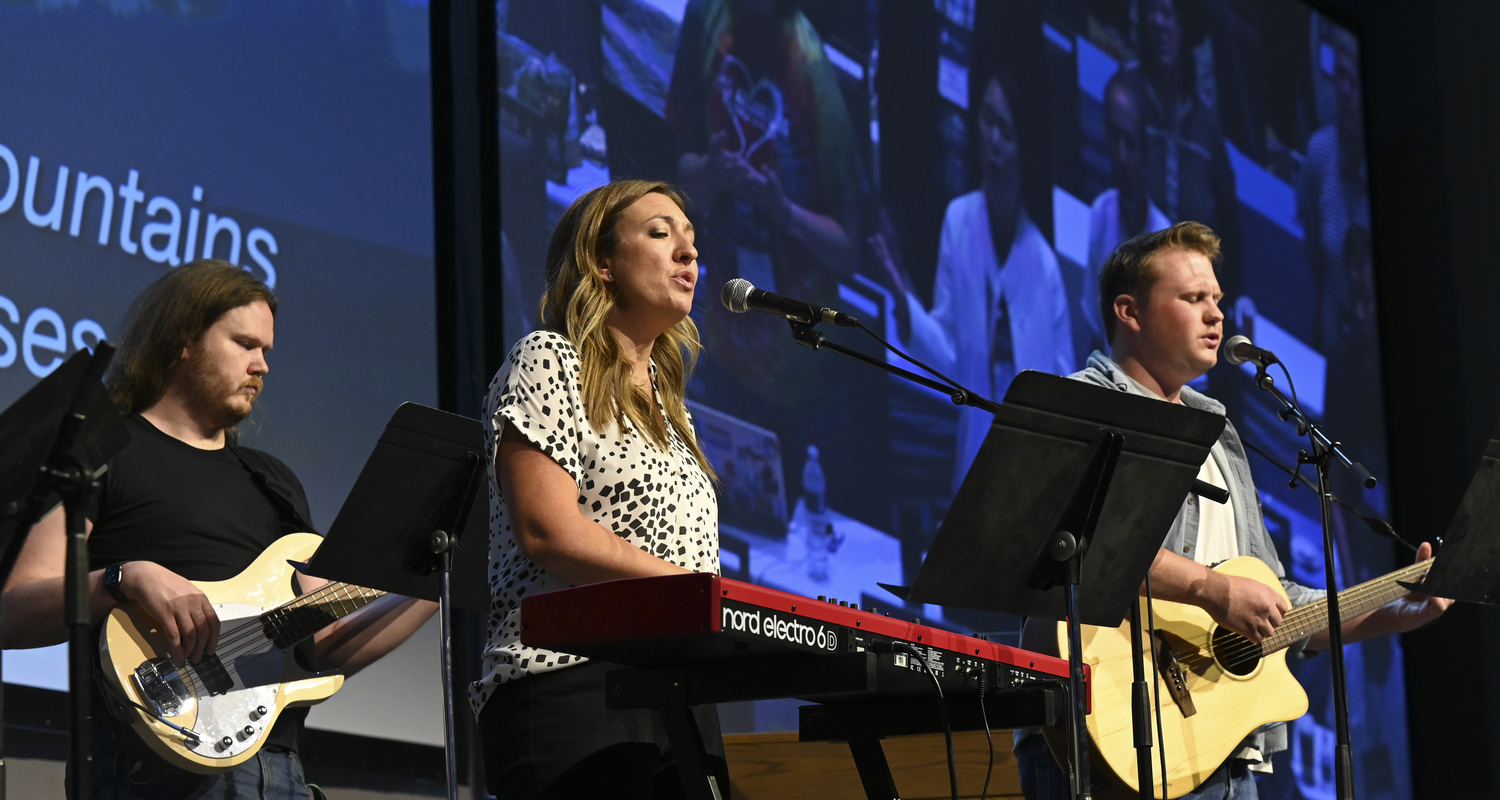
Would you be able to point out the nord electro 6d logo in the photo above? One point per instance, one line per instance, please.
(787, 629)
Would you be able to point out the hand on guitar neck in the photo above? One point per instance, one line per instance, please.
(1398, 616)
(1255, 610)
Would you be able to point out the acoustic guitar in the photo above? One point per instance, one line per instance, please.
(1215, 687)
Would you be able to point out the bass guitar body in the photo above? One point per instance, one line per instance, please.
(214, 715)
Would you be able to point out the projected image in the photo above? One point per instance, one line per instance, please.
(954, 174)
(290, 139)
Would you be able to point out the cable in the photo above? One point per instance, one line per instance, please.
(1376, 524)
(1161, 749)
(192, 737)
(944, 378)
(1289, 384)
(942, 710)
(985, 715)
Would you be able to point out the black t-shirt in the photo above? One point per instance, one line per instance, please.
(201, 513)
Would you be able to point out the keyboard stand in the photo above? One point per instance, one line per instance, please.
(847, 708)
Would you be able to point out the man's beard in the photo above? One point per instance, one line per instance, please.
(211, 399)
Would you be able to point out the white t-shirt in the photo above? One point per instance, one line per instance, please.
(659, 500)
(1216, 536)
(1217, 543)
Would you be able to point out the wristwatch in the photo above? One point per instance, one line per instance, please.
(112, 582)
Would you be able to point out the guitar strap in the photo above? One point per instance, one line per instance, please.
(281, 496)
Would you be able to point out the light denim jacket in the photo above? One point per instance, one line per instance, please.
(1250, 528)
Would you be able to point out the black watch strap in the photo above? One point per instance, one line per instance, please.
(112, 582)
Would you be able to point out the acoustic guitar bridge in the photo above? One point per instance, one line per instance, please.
(1173, 675)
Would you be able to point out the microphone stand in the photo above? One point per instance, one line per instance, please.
(806, 335)
(1324, 450)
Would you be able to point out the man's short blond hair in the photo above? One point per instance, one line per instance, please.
(1131, 268)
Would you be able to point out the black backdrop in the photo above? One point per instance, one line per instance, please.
(1433, 121)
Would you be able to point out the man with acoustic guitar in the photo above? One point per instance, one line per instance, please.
(182, 503)
(1160, 302)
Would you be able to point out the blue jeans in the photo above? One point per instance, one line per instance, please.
(122, 769)
(1042, 779)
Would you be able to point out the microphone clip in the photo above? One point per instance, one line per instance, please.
(805, 334)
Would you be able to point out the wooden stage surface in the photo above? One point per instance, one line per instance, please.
(775, 766)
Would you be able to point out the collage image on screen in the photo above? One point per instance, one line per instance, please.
(954, 173)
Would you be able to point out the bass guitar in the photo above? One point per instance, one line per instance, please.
(213, 715)
(1214, 686)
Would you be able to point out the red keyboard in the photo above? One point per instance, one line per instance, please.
(699, 619)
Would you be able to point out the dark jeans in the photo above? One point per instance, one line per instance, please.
(1042, 779)
(122, 768)
(549, 737)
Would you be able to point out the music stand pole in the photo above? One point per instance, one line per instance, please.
(53, 441)
(75, 483)
(69, 477)
(443, 545)
(445, 647)
(1140, 703)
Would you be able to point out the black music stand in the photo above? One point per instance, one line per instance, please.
(1466, 567)
(1068, 470)
(54, 443)
(406, 522)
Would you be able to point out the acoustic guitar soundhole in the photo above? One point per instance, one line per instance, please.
(1234, 653)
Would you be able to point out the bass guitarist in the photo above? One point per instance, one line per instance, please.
(1160, 301)
(183, 502)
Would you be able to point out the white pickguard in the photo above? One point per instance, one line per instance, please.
(257, 676)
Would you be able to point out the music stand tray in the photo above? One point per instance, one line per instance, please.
(1468, 567)
(28, 430)
(410, 487)
(1004, 514)
(414, 513)
(1063, 511)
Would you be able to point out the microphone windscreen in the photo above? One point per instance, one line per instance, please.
(1231, 346)
(736, 293)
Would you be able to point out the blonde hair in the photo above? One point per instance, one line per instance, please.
(578, 302)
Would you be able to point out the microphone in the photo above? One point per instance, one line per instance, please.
(1238, 350)
(740, 295)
